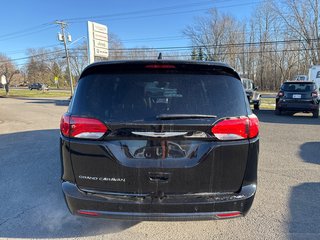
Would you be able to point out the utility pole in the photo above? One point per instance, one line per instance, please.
(63, 34)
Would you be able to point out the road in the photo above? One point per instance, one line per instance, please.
(32, 206)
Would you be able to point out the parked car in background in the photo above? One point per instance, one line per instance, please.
(298, 96)
(38, 86)
(159, 140)
(300, 78)
(252, 92)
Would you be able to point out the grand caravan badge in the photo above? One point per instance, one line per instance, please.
(103, 179)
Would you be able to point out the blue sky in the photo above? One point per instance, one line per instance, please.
(30, 24)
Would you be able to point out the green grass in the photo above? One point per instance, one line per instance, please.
(34, 93)
(268, 103)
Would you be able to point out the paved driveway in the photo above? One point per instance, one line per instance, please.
(287, 204)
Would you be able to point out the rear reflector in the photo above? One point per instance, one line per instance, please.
(236, 128)
(228, 214)
(88, 213)
(157, 66)
(79, 127)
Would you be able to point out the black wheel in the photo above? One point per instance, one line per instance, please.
(256, 106)
(315, 114)
(277, 111)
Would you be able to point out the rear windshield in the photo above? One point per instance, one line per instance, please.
(298, 87)
(141, 97)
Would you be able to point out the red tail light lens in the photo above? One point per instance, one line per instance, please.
(79, 127)
(314, 94)
(157, 66)
(253, 126)
(237, 128)
(231, 129)
(280, 94)
(65, 125)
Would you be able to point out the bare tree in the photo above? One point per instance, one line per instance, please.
(301, 17)
(78, 59)
(38, 66)
(116, 48)
(217, 34)
(7, 69)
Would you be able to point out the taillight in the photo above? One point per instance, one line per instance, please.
(236, 128)
(65, 125)
(314, 94)
(80, 127)
(253, 126)
(157, 66)
(280, 94)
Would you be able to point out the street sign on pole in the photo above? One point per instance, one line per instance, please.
(97, 41)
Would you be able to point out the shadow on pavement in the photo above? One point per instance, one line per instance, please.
(305, 211)
(32, 204)
(57, 102)
(268, 116)
(310, 153)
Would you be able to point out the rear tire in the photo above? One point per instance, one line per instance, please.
(315, 114)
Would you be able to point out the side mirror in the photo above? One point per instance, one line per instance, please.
(255, 88)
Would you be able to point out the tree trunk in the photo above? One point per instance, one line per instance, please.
(6, 87)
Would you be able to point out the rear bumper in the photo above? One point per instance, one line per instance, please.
(203, 206)
(297, 106)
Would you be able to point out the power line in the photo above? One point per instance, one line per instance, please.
(12, 52)
(190, 47)
(25, 30)
(23, 33)
(33, 56)
(121, 14)
(182, 48)
(147, 12)
(160, 38)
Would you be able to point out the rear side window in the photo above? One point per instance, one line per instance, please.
(298, 87)
(141, 97)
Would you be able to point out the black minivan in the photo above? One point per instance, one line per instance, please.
(159, 140)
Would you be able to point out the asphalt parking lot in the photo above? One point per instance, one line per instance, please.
(287, 204)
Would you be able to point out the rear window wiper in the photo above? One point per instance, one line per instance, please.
(183, 116)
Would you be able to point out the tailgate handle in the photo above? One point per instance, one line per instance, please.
(160, 134)
(159, 177)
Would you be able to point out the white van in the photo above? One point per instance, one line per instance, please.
(314, 75)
